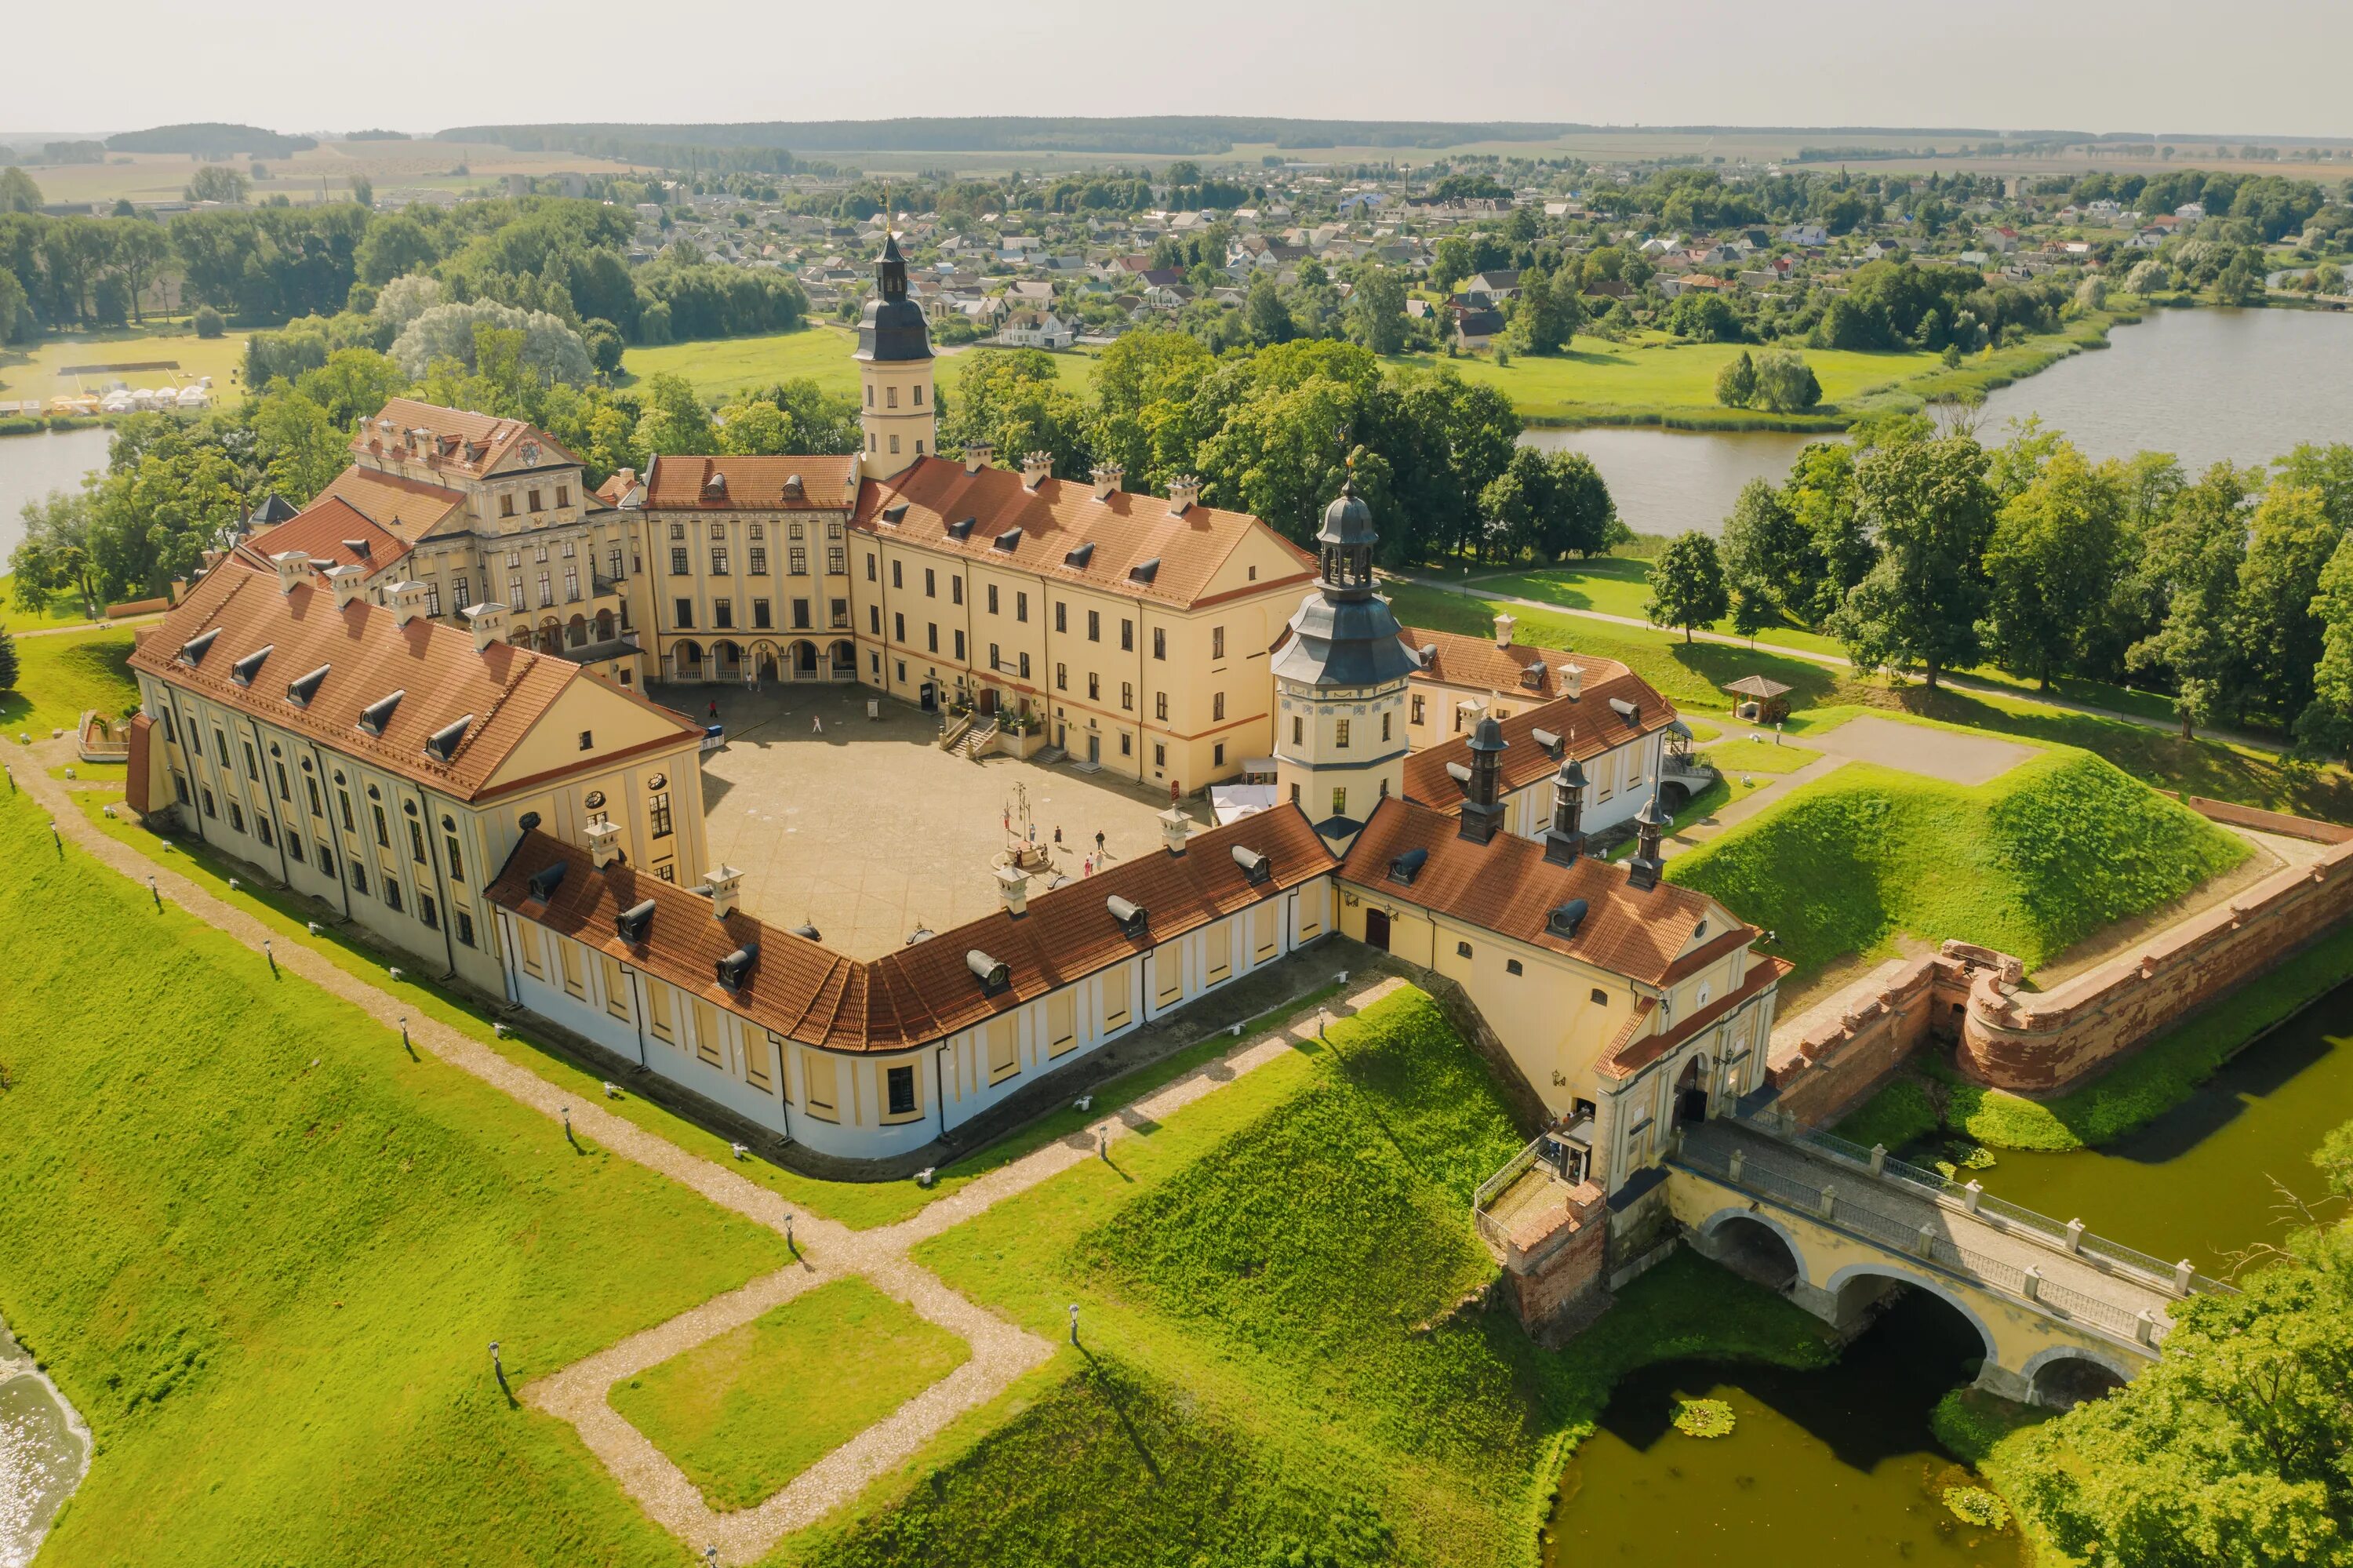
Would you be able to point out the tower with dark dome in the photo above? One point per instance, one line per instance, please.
(894, 371)
(1340, 679)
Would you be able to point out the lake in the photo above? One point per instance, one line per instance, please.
(2203, 384)
(44, 1452)
(32, 466)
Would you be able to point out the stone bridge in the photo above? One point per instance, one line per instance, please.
(1838, 1228)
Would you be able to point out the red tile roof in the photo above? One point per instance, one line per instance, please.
(1477, 663)
(1507, 886)
(1634, 1050)
(456, 439)
(1587, 724)
(1125, 530)
(325, 531)
(410, 508)
(750, 484)
(806, 991)
(505, 689)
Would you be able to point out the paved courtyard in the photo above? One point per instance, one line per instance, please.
(1918, 748)
(869, 832)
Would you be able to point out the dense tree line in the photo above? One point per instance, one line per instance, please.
(1269, 431)
(2232, 590)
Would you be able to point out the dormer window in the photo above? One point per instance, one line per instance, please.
(994, 977)
(633, 924)
(1079, 557)
(1131, 917)
(1256, 868)
(547, 879)
(1564, 921)
(1008, 541)
(1145, 571)
(245, 669)
(895, 513)
(194, 650)
(378, 714)
(442, 744)
(736, 969)
(962, 528)
(1404, 868)
(302, 688)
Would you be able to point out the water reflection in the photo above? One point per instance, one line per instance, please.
(32, 466)
(44, 1451)
(1824, 1467)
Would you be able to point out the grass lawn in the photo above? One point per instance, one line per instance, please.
(1272, 1367)
(1735, 758)
(718, 368)
(743, 1413)
(59, 609)
(34, 370)
(263, 1250)
(1620, 585)
(59, 676)
(1597, 380)
(2031, 862)
(1693, 674)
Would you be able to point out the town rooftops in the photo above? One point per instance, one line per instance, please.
(1587, 726)
(751, 483)
(456, 439)
(919, 994)
(237, 613)
(332, 532)
(1061, 531)
(1656, 936)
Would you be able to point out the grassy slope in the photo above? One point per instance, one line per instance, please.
(1692, 676)
(720, 367)
(2031, 863)
(59, 676)
(1264, 1285)
(262, 1250)
(61, 608)
(743, 1413)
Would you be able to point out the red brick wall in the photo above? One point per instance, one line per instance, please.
(1831, 1056)
(1560, 1279)
(2041, 1042)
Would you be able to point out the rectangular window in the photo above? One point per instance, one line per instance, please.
(837, 561)
(1298, 731)
(1021, 606)
(1003, 1050)
(1385, 726)
(685, 613)
(800, 615)
(1339, 802)
(1094, 687)
(899, 1091)
(1095, 626)
(709, 1044)
(841, 620)
(1116, 1003)
(1062, 677)
(956, 590)
(658, 1011)
(392, 894)
(1160, 642)
(931, 584)
(1340, 735)
(457, 865)
(344, 798)
(433, 599)
(932, 637)
(1126, 636)
(1417, 711)
(1221, 952)
(874, 618)
(993, 660)
(898, 627)
(1217, 755)
(796, 559)
(1025, 666)
(1126, 696)
(359, 878)
(564, 495)
(383, 829)
(180, 787)
(1168, 975)
(821, 1079)
(534, 503)
(616, 984)
(1062, 616)
(1159, 754)
(285, 789)
(1062, 1022)
(722, 614)
(506, 505)
(959, 647)
(759, 567)
(898, 578)
(658, 814)
(416, 844)
(1217, 706)
(1217, 642)
(460, 596)
(430, 912)
(327, 860)
(465, 929)
(760, 616)
(1127, 744)
(1160, 706)
(992, 599)
(758, 1055)
(252, 765)
(718, 560)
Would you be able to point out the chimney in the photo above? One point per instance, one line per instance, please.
(1107, 478)
(628, 482)
(1569, 678)
(349, 582)
(1183, 492)
(979, 455)
(1564, 840)
(726, 885)
(488, 621)
(293, 566)
(1036, 469)
(603, 844)
(1503, 626)
(849, 477)
(1642, 872)
(1482, 813)
(407, 601)
(1013, 885)
(1175, 829)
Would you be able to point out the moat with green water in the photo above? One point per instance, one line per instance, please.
(1838, 1467)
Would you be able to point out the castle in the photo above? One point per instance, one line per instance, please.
(421, 702)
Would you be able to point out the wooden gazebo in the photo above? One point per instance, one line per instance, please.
(1763, 701)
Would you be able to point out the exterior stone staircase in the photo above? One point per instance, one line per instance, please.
(976, 739)
(955, 731)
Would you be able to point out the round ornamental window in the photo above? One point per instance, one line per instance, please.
(596, 798)
(658, 781)
(373, 793)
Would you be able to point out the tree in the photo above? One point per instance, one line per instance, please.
(1767, 552)
(2326, 725)
(363, 190)
(605, 345)
(1929, 506)
(208, 322)
(299, 448)
(2054, 564)
(674, 421)
(395, 244)
(13, 301)
(1268, 317)
(1451, 262)
(352, 385)
(17, 191)
(56, 554)
(1823, 500)
(1545, 317)
(2189, 569)
(7, 661)
(551, 350)
(1017, 403)
(218, 182)
(2291, 538)
(1736, 383)
(1687, 584)
(2232, 1450)
(1784, 382)
(1377, 310)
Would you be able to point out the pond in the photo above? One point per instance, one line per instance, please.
(44, 1453)
(32, 466)
(2203, 384)
(1822, 1468)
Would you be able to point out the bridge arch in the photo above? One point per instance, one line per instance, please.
(2066, 1375)
(1754, 1244)
(1835, 1286)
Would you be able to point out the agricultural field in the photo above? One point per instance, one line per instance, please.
(263, 1249)
(322, 174)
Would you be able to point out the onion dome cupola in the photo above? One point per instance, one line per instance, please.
(1344, 634)
(1346, 543)
(893, 327)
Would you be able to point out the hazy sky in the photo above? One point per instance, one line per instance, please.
(2258, 66)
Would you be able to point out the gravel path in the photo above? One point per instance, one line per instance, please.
(1001, 1351)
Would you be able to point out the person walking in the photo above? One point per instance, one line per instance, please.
(1058, 836)
(1099, 846)
(714, 707)
(1087, 866)
(817, 724)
